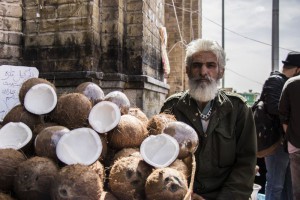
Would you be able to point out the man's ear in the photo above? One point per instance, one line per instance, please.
(221, 73)
(187, 70)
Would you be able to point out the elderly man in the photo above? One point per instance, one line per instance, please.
(226, 156)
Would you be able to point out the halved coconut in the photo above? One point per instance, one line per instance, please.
(15, 135)
(127, 178)
(40, 99)
(120, 99)
(159, 150)
(186, 137)
(166, 183)
(19, 114)
(82, 145)
(158, 122)
(72, 110)
(129, 133)
(34, 178)
(104, 116)
(10, 159)
(77, 182)
(91, 90)
(46, 141)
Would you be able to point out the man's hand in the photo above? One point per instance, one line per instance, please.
(197, 197)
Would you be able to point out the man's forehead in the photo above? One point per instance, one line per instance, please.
(206, 56)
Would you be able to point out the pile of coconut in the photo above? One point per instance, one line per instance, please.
(89, 145)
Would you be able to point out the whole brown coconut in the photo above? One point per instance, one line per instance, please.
(126, 152)
(138, 113)
(120, 99)
(129, 133)
(77, 182)
(91, 90)
(99, 169)
(166, 183)
(46, 141)
(181, 166)
(185, 135)
(158, 122)
(10, 159)
(19, 114)
(34, 178)
(127, 178)
(72, 110)
(29, 84)
(4, 196)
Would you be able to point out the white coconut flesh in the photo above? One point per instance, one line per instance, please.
(104, 116)
(79, 146)
(159, 150)
(14, 135)
(40, 99)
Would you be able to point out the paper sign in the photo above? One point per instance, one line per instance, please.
(11, 80)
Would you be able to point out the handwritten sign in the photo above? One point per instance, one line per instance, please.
(11, 80)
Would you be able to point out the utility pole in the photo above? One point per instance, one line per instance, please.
(223, 39)
(275, 35)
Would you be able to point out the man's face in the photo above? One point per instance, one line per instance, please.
(204, 67)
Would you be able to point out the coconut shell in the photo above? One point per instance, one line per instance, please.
(99, 169)
(34, 179)
(186, 137)
(19, 114)
(158, 122)
(166, 183)
(4, 196)
(138, 113)
(91, 90)
(77, 182)
(181, 166)
(10, 159)
(46, 141)
(120, 99)
(126, 152)
(29, 84)
(104, 151)
(127, 178)
(72, 110)
(129, 133)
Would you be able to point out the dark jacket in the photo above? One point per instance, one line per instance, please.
(289, 108)
(226, 156)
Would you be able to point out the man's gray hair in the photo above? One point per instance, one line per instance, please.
(198, 45)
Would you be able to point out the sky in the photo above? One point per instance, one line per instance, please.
(248, 37)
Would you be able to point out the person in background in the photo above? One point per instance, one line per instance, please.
(226, 156)
(278, 176)
(289, 109)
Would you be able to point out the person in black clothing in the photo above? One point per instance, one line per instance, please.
(278, 176)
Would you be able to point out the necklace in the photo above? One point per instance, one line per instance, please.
(205, 116)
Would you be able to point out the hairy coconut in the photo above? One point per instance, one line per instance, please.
(99, 169)
(185, 135)
(4, 196)
(77, 182)
(166, 183)
(107, 196)
(81, 145)
(159, 150)
(129, 133)
(120, 99)
(181, 166)
(127, 178)
(34, 178)
(126, 152)
(16, 135)
(9, 162)
(91, 90)
(19, 114)
(38, 96)
(137, 112)
(158, 122)
(104, 116)
(72, 110)
(46, 141)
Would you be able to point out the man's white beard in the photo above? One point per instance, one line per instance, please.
(203, 91)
